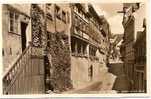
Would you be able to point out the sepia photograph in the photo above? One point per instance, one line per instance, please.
(74, 48)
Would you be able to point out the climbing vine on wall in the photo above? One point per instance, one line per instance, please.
(61, 61)
(37, 22)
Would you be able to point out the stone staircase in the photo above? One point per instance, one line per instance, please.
(26, 75)
(116, 69)
(122, 83)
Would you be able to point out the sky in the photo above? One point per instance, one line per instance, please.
(109, 10)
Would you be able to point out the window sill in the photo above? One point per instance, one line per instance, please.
(14, 33)
(79, 55)
(94, 58)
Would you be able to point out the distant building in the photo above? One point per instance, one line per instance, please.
(116, 41)
(69, 48)
(134, 14)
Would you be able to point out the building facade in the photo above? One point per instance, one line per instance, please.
(88, 44)
(134, 14)
(16, 32)
(70, 41)
(140, 60)
(23, 68)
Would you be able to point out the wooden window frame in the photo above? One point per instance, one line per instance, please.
(14, 24)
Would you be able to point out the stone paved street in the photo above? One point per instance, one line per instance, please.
(100, 86)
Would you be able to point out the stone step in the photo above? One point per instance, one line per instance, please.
(116, 69)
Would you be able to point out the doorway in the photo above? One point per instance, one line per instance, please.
(90, 72)
(23, 35)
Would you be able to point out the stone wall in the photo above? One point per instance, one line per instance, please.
(79, 71)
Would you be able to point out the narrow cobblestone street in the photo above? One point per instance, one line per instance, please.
(100, 86)
(121, 83)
